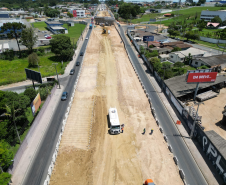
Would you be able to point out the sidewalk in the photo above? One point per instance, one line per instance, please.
(208, 175)
(66, 72)
(35, 139)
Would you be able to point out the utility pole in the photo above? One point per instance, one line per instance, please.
(81, 33)
(163, 76)
(56, 73)
(193, 126)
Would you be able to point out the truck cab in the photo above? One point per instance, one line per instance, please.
(115, 127)
(149, 182)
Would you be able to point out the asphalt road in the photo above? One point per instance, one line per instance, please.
(39, 168)
(193, 176)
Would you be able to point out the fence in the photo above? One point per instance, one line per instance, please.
(211, 40)
(210, 150)
(24, 144)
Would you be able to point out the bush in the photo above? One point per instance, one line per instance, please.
(31, 93)
(39, 53)
(33, 60)
(5, 178)
(41, 49)
(44, 92)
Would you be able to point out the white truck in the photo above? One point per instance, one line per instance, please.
(115, 127)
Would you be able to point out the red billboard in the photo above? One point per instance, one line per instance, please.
(36, 104)
(74, 13)
(202, 77)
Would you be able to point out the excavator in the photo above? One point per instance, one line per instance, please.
(149, 182)
(104, 30)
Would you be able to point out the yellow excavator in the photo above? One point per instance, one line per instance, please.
(104, 30)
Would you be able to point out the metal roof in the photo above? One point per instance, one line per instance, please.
(213, 60)
(218, 141)
(179, 87)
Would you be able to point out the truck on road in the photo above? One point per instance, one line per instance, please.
(115, 127)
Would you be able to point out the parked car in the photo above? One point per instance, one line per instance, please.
(64, 96)
(81, 54)
(77, 63)
(72, 72)
(48, 37)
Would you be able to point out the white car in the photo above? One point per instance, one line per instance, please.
(86, 38)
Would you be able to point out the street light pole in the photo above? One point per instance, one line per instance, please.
(56, 73)
(193, 126)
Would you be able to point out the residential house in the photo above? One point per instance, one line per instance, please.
(179, 56)
(183, 46)
(212, 25)
(165, 50)
(167, 15)
(164, 57)
(210, 61)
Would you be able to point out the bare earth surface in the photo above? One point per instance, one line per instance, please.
(212, 115)
(87, 153)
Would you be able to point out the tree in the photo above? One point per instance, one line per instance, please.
(31, 93)
(201, 25)
(127, 9)
(69, 14)
(142, 50)
(191, 35)
(5, 178)
(28, 38)
(11, 112)
(176, 49)
(52, 12)
(33, 60)
(178, 64)
(216, 19)
(61, 46)
(6, 155)
(188, 59)
(15, 30)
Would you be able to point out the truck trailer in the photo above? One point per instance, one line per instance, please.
(115, 127)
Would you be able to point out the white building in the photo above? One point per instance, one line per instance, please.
(165, 1)
(179, 56)
(164, 10)
(78, 13)
(209, 15)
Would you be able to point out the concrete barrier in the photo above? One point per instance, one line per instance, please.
(182, 175)
(166, 139)
(145, 91)
(157, 122)
(161, 130)
(170, 148)
(175, 160)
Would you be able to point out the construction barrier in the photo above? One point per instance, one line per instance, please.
(182, 175)
(170, 148)
(175, 160)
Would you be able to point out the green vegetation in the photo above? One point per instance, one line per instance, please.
(13, 71)
(183, 13)
(40, 25)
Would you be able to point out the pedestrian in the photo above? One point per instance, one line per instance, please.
(122, 128)
(151, 131)
(143, 131)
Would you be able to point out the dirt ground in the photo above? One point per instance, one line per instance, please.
(212, 115)
(88, 154)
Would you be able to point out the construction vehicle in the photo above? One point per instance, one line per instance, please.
(90, 26)
(104, 30)
(149, 182)
(115, 127)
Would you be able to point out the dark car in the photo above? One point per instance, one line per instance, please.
(64, 96)
(81, 54)
(77, 63)
(72, 72)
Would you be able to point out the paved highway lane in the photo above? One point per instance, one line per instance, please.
(193, 176)
(39, 168)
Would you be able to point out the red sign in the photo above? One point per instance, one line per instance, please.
(202, 77)
(74, 13)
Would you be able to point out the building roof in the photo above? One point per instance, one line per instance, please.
(58, 28)
(160, 49)
(213, 60)
(182, 46)
(179, 87)
(167, 14)
(154, 43)
(193, 52)
(172, 43)
(164, 56)
(53, 22)
(218, 142)
(213, 24)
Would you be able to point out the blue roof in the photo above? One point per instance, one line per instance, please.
(4, 15)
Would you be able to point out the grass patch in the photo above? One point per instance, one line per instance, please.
(40, 25)
(184, 13)
(13, 71)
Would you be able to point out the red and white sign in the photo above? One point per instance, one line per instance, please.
(202, 77)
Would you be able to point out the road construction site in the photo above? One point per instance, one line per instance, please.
(88, 154)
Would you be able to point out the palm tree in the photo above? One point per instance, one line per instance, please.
(11, 112)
